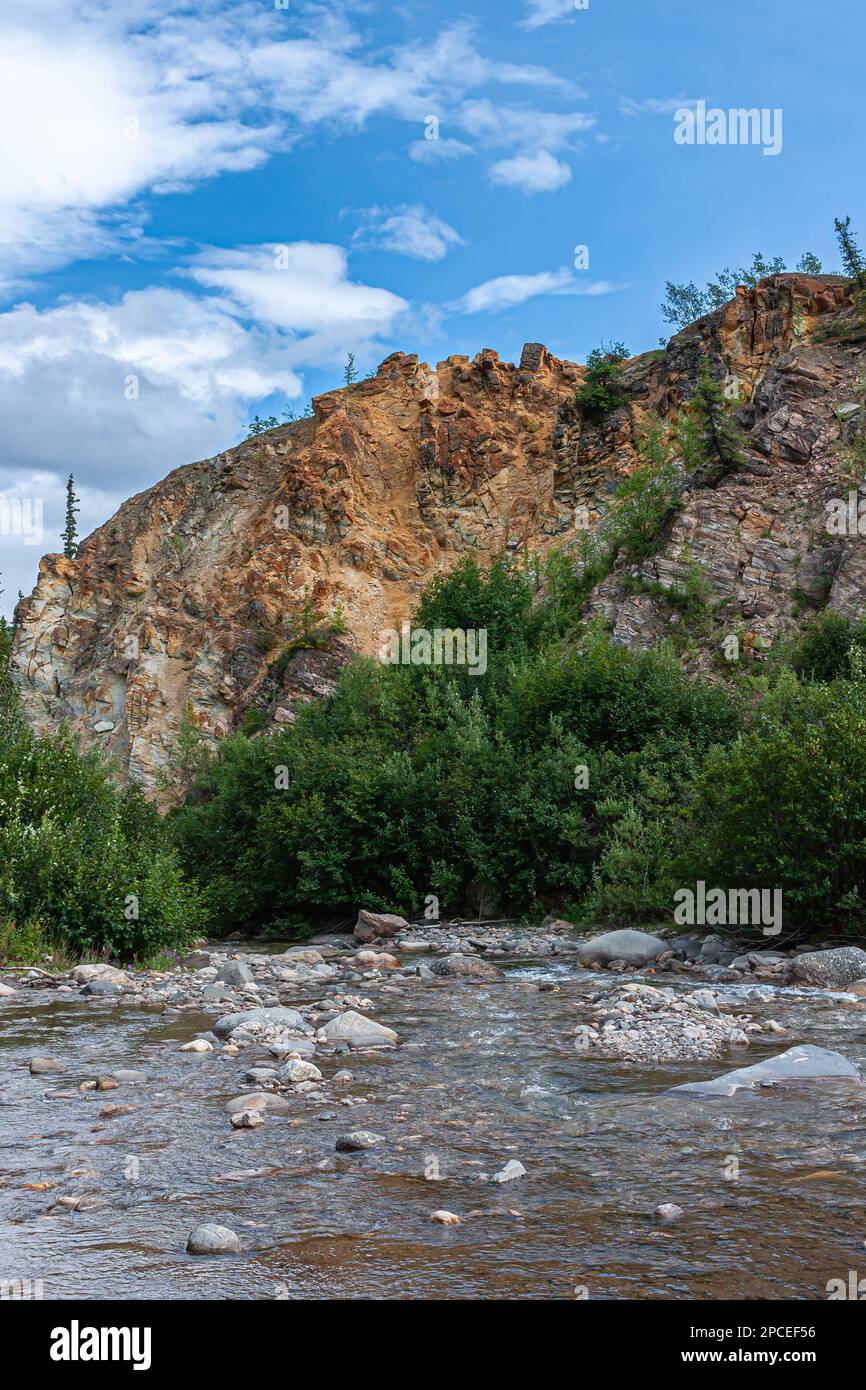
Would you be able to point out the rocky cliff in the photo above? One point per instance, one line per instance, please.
(189, 597)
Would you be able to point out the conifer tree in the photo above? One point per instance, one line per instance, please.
(712, 443)
(70, 530)
(852, 256)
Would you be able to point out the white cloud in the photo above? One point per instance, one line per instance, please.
(543, 12)
(109, 104)
(653, 106)
(531, 173)
(433, 151)
(524, 127)
(506, 291)
(120, 393)
(410, 230)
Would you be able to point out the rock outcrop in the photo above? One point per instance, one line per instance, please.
(206, 594)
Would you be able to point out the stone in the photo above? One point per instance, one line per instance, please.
(633, 947)
(6, 991)
(197, 1045)
(669, 1211)
(84, 974)
(101, 988)
(42, 1066)
(211, 1239)
(376, 960)
(512, 1170)
(802, 1063)
(279, 1017)
(445, 1218)
(235, 972)
(358, 1030)
(357, 1140)
(833, 969)
(459, 966)
(260, 1100)
(297, 1070)
(371, 925)
(247, 1119)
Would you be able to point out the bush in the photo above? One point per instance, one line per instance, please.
(784, 805)
(78, 854)
(602, 390)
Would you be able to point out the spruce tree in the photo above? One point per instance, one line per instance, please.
(70, 530)
(712, 443)
(852, 256)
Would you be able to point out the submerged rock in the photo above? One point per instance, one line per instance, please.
(634, 947)
(211, 1239)
(465, 967)
(833, 969)
(806, 1062)
(357, 1140)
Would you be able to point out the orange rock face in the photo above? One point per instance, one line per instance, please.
(188, 597)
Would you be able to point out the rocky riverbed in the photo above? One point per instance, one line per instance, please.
(435, 1110)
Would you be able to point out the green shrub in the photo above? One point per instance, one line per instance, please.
(80, 857)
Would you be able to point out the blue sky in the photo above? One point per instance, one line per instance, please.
(204, 207)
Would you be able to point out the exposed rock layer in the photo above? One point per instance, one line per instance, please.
(182, 600)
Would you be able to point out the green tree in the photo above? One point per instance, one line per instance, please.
(852, 256)
(602, 390)
(712, 443)
(70, 530)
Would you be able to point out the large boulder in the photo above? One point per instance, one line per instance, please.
(465, 967)
(634, 947)
(371, 925)
(833, 969)
(804, 1063)
(277, 1017)
(358, 1031)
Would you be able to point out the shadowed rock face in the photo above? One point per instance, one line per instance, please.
(180, 601)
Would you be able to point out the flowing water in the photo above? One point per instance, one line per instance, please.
(486, 1073)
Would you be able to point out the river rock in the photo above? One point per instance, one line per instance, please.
(279, 1017)
(634, 947)
(445, 1218)
(357, 1140)
(669, 1211)
(465, 967)
(197, 1045)
(6, 991)
(512, 1170)
(376, 960)
(372, 924)
(211, 1239)
(259, 1100)
(235, 972)
(101, 988)
(83, 974)
(41, 1066)
(806, 1062)
(834, 969)
(297, 1070)
(359, 1031)
(247, 1119)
